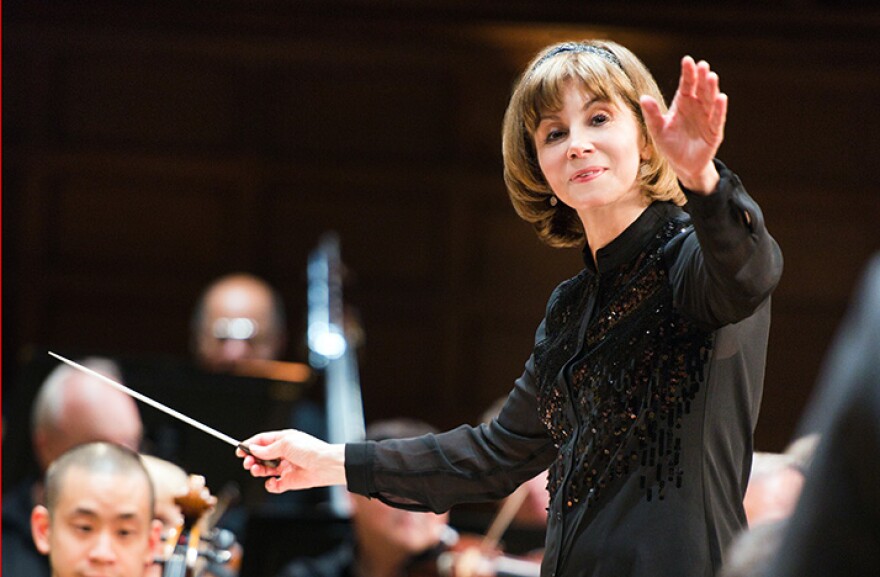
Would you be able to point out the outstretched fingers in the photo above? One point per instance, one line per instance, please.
(654, 119)
(718, 117)
(687, 82)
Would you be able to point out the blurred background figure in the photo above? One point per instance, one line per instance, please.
(751, 552)
(71, 408)
(535, 499)
(240, 320)
(220, 553)
(98, 517)
(384, 539)
(239, 317)
(169, 482)
(835, 528)
(772, 493)
(516, 524)
(776, 480)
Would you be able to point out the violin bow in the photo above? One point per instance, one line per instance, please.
(504, 517)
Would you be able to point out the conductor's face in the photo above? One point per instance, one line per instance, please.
(101, 526)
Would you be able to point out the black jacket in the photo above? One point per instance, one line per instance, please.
(641, 396)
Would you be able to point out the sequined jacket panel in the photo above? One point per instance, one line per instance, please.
(640, 396)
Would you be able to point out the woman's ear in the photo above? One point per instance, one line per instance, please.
(646, 151)
(40, 528)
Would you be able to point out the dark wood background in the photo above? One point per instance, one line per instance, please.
(149, 148)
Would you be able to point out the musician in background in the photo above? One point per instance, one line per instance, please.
(239, 317)
(169, 482)
(834, 527)
(772, 494)
(519, 520)
(220, 553)
(386, 539)
(98, 516)
(532, 513)
(69, 409)
(776, 480)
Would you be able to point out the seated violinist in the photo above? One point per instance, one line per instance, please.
(171, 485)
(533, 498)
(386, 539)
(98, 517)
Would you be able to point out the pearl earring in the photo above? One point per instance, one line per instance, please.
(553, 200)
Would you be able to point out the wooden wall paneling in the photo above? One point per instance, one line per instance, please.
(391, 228)
(507, 280)
(164, 101)
(23, 288)
(132, 244)
(347, 114)
(809, 123)
(799, 339)
(252, 136)
(17, 105)
(31, 250)
(827, 232)
(137, 222)
(462, 232)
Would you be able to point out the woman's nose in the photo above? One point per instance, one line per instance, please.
(579, 146)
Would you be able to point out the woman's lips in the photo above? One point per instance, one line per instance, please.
(587, 174)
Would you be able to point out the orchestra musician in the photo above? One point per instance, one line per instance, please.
(169, 481)
(238, 317)
(98, 516)
(219, 555)
(532, 510)
(643, 388)
(385, 539)
(238, 324)
(70, 408)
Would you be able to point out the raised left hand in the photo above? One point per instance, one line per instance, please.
(691, 132)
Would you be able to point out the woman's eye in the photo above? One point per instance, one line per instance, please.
(554, 135)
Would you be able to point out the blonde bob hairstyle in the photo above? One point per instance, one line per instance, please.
(606, 71)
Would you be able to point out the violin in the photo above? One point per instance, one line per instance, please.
(479, 556)
(193, 548)
(471, 556)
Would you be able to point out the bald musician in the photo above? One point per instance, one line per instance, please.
(98, 516)
(239, 317)
(70, 408)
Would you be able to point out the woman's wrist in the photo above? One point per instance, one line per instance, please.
(336, 464)
(704, 182)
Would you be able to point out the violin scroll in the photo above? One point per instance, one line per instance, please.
(195, 539)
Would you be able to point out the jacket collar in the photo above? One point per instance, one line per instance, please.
(632, 240)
